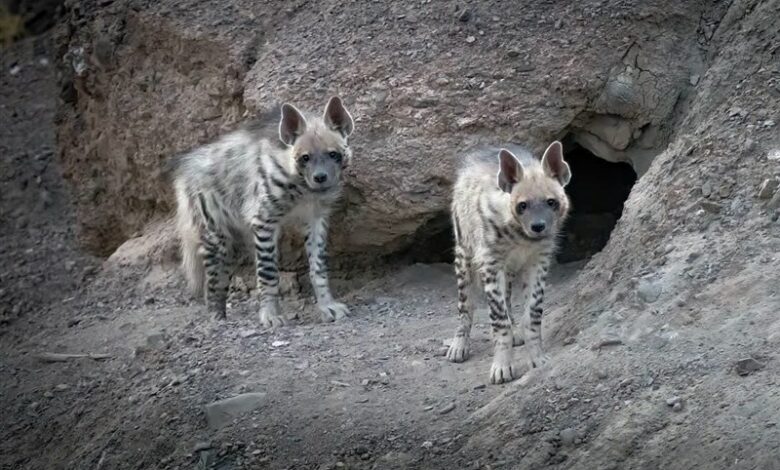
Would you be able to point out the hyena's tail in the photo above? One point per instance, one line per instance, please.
(189, 234)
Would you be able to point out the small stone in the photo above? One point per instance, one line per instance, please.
(768, 188)
(441, 352)
(606, 343)
(248, 333)
(711, 207)
(559, 24)
(465, 122)
(470, 39)
(447, 408)
(48, 395)
(222, 412)
(200, 446)
(692, 256)
(480, 387)
(745, 367)
(568, 436)
(279, 344)
(62, 387)
(675, 403)
(649, 291)
(427, 445)
(694, 80)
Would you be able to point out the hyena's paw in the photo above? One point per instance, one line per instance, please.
(501, 370)
(517, 337)
(333, 311)
(459, 349)
(270, 317)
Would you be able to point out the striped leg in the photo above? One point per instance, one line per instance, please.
(532, 314)
(516, 283)
(494, 283)
(215, 259)
(459, 349)
(317, 250)
(266, 232)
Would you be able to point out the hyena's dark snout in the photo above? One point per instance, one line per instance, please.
(538, 227)
(320, 178)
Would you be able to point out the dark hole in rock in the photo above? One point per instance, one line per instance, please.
(598, 190)
(434, 242)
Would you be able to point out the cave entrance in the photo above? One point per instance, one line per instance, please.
(598, 190)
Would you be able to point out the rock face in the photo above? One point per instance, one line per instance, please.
(141, 81)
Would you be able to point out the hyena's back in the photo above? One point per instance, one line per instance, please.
(213, 185)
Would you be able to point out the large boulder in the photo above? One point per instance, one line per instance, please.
(142, 80)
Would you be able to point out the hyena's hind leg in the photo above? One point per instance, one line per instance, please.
(217, 251)
(459, 349)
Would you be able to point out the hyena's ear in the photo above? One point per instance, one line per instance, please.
(337, 117)
(510, 171)
(554, 165)
(292, 125)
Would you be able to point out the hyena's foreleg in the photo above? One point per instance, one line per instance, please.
(459, 349)
(532, 313)
(515, 283)
(317, 251)
(494, 283)
(265, 230)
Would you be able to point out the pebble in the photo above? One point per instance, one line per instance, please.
(745, 367)
(199, 446)
(279, 344)
(711, 207)
(248, 333)
(675, 403)
(768, 188)
(568, 436)
(447, 408)
(62, 387)
(427, 445)
(649, 291)
(470, 39)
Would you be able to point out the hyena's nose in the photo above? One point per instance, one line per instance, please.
(320, 178)
(538, 227)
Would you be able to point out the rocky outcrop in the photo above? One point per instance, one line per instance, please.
(143, 80)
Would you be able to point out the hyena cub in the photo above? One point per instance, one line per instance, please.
(234, 194)
(507, 213)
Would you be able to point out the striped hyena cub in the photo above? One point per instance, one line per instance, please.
(507, 212)
(236, 192)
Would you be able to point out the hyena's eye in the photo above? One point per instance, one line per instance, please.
(553, 203)
(521, 206)
(305, 157)
(335, 156)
